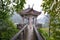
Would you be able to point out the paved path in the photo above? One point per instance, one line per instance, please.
(30, 34)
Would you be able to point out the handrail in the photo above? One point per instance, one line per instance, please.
(43, 36)
(15, 37)
(39, 36)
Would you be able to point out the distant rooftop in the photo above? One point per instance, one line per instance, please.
(30, 11)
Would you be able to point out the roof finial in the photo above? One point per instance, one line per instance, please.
(28, 6)
(32, 6)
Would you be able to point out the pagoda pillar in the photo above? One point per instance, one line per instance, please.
(35, 20)
(23, 21)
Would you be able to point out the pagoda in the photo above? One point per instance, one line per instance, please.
(31, 15)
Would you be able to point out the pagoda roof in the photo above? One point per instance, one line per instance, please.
(30, 11)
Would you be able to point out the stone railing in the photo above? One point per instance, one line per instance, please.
(37, 34)
(21, 34)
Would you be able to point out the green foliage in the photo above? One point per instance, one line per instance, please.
(7, 27)
(7, 30)
(53, 8)
(45, 34)
(20, 5)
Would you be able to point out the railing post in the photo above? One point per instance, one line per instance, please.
(19, 37)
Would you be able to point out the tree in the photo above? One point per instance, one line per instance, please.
(53, 8)
(7, 28)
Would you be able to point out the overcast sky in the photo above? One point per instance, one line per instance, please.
(37, 4)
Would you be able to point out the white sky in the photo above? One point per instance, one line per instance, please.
(37, 4)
